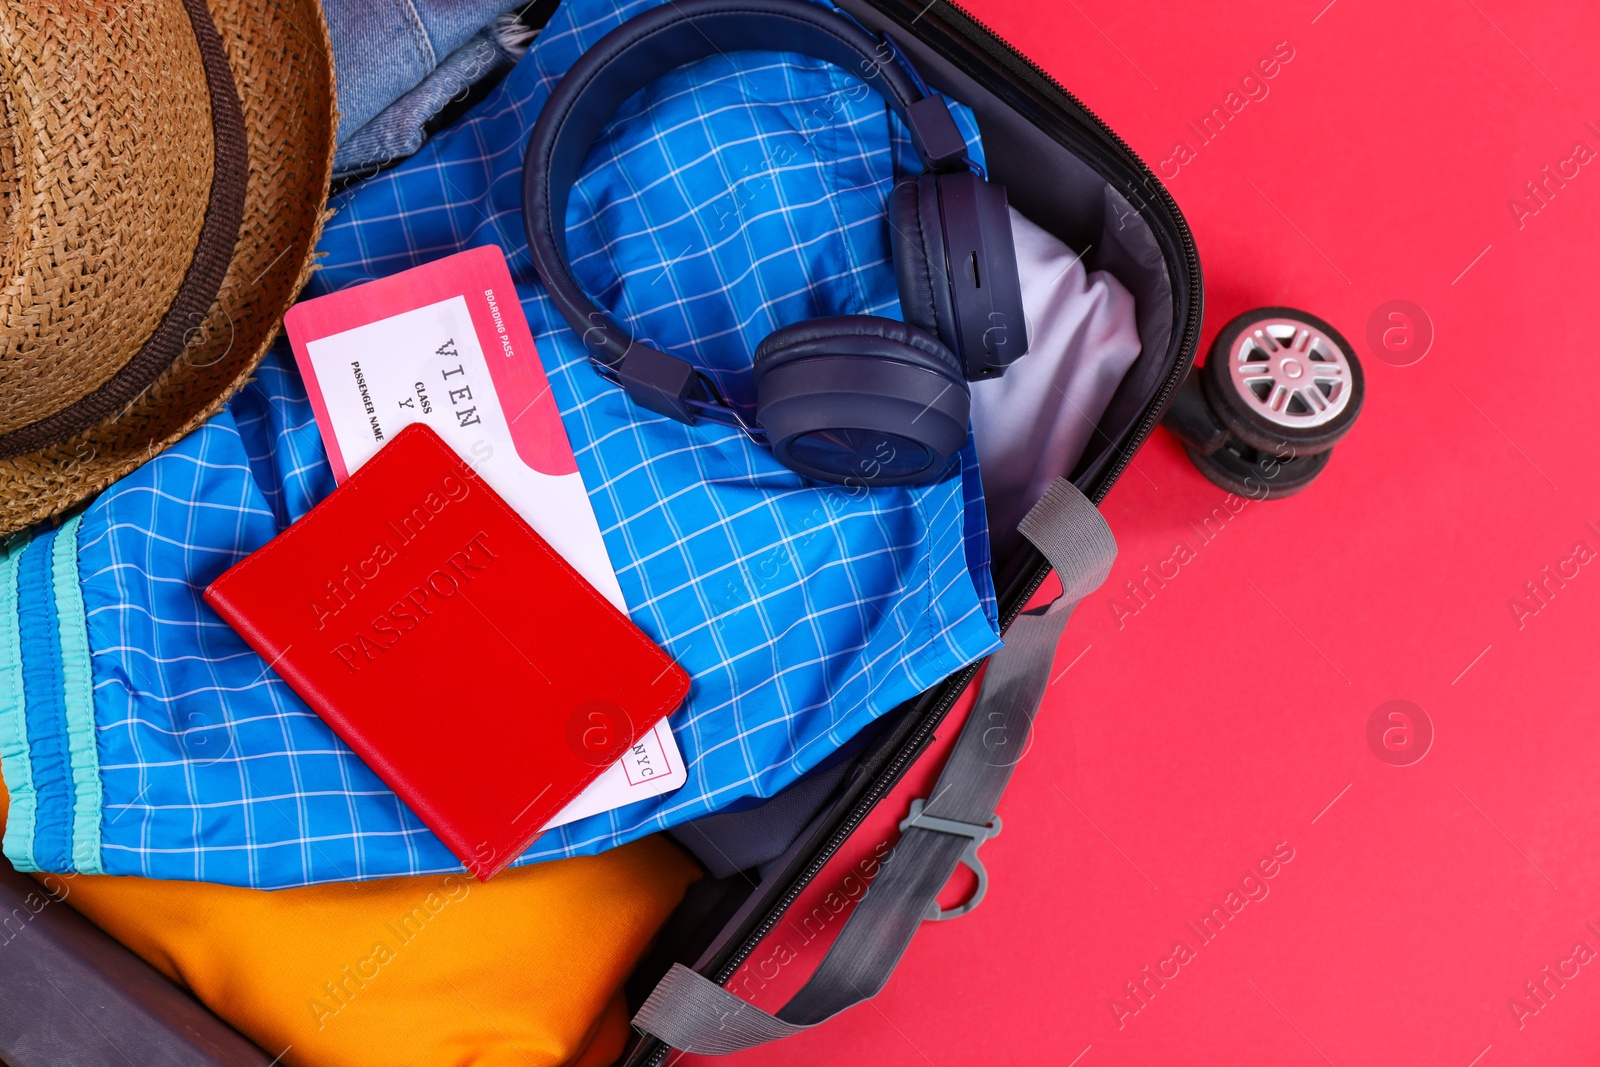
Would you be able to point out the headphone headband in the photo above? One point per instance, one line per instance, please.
(625, 61)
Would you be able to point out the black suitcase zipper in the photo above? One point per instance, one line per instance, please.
(651, 1053)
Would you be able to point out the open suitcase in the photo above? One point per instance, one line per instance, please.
(74, 996)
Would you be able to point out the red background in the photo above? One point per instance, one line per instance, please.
(1230, 712)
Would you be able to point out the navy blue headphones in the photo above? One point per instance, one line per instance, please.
(855, 399)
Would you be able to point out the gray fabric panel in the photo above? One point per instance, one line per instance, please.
(688, 1011)
(71, 995)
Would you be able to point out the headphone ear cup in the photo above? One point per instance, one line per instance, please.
(861, 400)
(989, 328)
(920, 270)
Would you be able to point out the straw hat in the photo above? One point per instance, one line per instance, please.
(164, 168)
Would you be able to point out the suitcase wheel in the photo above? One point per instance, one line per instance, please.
(1280, 387)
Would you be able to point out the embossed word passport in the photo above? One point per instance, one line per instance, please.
(446, 344)
(471, 667)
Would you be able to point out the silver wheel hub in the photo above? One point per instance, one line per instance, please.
(1291, 373)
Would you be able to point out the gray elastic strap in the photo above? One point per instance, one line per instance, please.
(689, 1011)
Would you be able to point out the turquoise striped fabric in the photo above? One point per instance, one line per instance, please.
(47, 734)
(14, 756)
(77, 692)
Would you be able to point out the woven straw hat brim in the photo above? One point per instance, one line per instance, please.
(282, 68)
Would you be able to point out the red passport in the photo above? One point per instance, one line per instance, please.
(454, 650)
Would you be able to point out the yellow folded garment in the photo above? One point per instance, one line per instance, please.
(525, 970)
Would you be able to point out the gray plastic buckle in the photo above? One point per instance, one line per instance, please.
(975, 834)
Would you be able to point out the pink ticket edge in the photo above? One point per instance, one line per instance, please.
(459, 275)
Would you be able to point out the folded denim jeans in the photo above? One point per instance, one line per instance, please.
(383, 48)
(398, 62)
(140, 735)
(400, 129)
